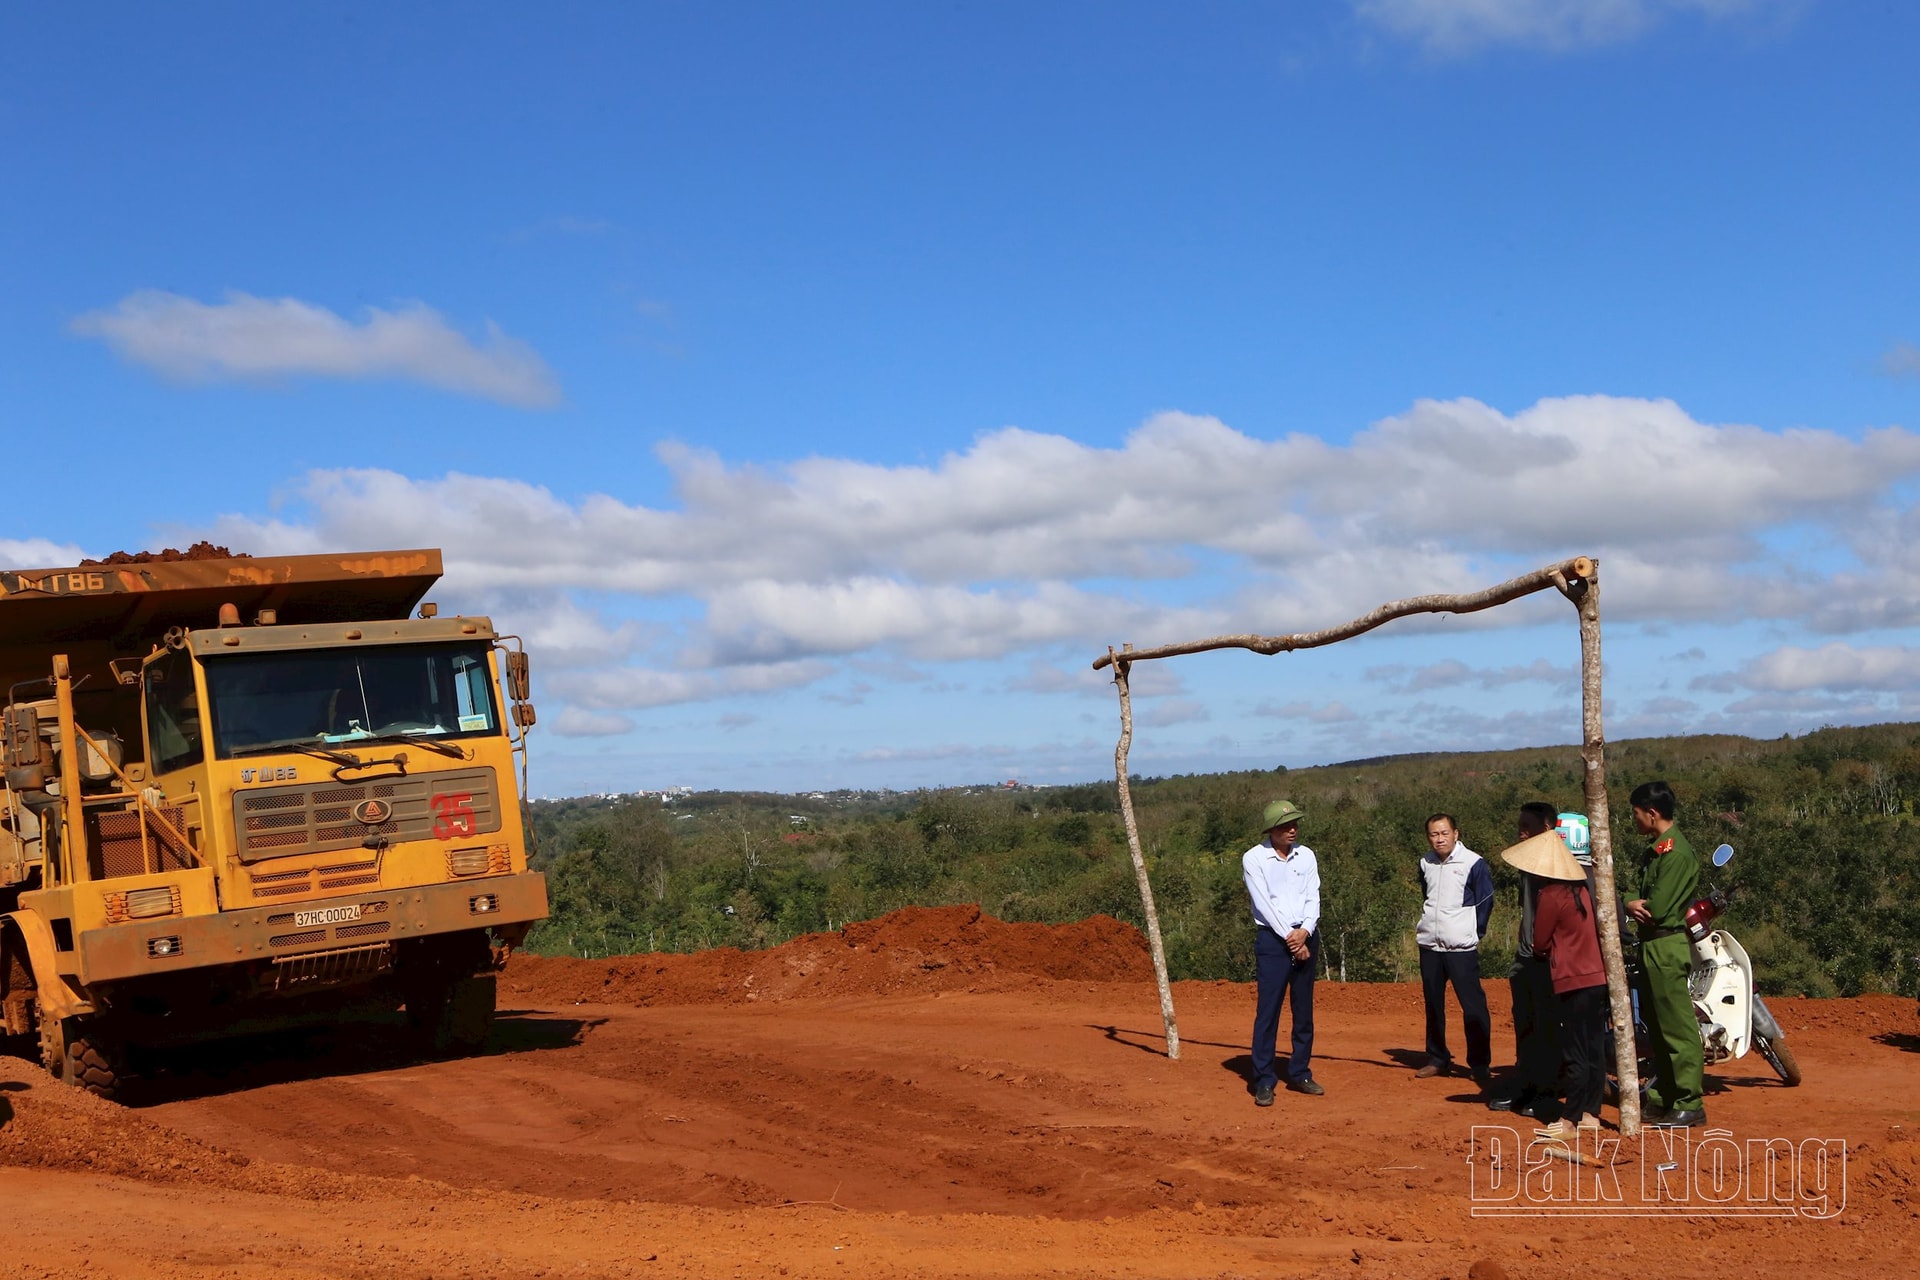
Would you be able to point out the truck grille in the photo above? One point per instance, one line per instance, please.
(280, 822)
(323, 967)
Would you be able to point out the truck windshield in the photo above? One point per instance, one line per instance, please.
(321, 697)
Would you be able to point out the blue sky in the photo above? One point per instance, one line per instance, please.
(819, 388)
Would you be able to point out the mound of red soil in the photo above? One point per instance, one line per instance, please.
(198, 551)
(915, 949)
(48, 1125)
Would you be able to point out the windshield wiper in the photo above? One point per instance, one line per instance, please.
(300, 745)
(432, 744)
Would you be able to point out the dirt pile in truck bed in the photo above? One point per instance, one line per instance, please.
(198, 551)
(912, 950)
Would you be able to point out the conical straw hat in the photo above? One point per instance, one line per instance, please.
(1545, 855)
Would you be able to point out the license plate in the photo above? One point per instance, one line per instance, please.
(326, 915)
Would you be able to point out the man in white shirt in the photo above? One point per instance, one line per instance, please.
(1453, 920)
(1283, 883)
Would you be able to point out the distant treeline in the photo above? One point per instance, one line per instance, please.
(1824, 826)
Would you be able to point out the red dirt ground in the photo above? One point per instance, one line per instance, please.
(934, 1094)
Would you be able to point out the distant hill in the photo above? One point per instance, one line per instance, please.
(1824, 826)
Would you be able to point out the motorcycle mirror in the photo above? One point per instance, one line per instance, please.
(1723, 855)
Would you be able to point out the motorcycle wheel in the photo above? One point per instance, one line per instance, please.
(1780, 1058)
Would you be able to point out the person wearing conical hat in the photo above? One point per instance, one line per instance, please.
(1566, 934)
(1283, 881)
(1669, 879)
(1536, 1032)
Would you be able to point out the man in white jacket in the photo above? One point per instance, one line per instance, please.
(1458, 907)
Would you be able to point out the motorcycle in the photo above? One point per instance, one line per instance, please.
(1733, 1017)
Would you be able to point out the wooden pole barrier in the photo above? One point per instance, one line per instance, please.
(1582, 587)
(1577, 579)
(1121, 668)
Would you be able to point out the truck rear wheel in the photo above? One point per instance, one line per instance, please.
(454, 1019)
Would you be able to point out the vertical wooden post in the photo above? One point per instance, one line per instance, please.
(1593, 754)
(1121, 668)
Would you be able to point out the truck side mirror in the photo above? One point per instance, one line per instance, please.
(519, 685)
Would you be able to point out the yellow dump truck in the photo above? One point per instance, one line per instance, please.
(246, 793)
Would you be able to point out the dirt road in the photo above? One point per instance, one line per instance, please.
(926, 1098)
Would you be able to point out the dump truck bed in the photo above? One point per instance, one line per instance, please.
(96, 612)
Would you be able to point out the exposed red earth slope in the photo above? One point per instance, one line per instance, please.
(937, 1093)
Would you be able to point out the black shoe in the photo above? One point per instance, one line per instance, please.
(1484, 1079)
(1500, 1103)
(1692, 1118)
(1263, 1096)
(1309, 1087)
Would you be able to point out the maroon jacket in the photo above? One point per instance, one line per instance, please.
(1566, 932)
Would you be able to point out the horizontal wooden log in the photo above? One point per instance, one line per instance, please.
(1577, 568)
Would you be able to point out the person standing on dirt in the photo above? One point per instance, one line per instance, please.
(1536, 1040)
(1669, 879)
(1566, 934)
(1283, 882)
(1453, 920)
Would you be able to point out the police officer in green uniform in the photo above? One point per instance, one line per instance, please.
(1669, 879)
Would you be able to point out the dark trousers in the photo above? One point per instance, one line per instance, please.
(1583, 1034)
(1277, 973)
(1536, 1027)
(1462, 969)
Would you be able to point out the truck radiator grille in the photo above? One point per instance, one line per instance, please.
(277, 822)
(340, 964)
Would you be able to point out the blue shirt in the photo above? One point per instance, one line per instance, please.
(1285, 891)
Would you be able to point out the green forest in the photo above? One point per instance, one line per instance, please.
(1824, 827)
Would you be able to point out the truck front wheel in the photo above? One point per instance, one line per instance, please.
(85, 1053)
(453, 1019)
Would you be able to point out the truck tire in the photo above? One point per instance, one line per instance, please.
(1780, 1058)
(96, 1063)
(454, 1019)
(85, 1053)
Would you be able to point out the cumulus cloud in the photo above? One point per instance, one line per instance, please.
(1835, 668)
(578, 722)
(1173, 711)
(246, 338)
(1451, 673)
(1334, 712)
(37, 553)
(1029, 544)
(1902, 360)
(635, 687)
(1451, 27)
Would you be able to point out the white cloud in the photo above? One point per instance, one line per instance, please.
(1026, 543)
(1902, 360)
(577, 722)
(38, 553)
(246, 338)
(1451, 27)
(1173, 711)
(1833, 667)
(1334, 712)
(1451, 673)
(634, 688)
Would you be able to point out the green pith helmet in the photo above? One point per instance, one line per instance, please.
(1279, 814)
